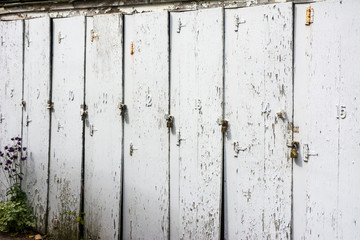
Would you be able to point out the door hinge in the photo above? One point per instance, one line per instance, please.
(309, 16)
(83, 111)
(50, 105)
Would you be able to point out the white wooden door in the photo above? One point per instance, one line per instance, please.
(196, 137)
(66, 126)
(36, 117)
(258, 106)
(146, 167)
(11, 79)
(326, 85)
(349, 139)
(103, 134)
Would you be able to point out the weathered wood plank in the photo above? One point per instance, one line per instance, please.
(36, 116)
(66, 126)
(196, 139)
(258, 84)
(11, 78)
(146, 175)
(103, 134)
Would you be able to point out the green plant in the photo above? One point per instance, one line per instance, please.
(15, 215)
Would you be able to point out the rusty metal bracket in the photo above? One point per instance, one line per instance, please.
(93, 35)
(309, 16)
(169, 120)
(83, 111)
(50, 105)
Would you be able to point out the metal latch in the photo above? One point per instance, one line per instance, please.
(307, 153)
(179, 139)
(83, 111)
(122, 108)
(169, 120)
(50, 105)
(28, 120)
(294, 145)
(224, 125)
(132, 149)
(309, 16)
(238, 21)
(237, 149)
(92, 130)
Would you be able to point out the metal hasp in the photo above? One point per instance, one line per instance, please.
(50, 105)
(122, 108)
(309, 16)
(83, 111)
(307, 153)
(237, 148)
(294, 145)
(169, 120)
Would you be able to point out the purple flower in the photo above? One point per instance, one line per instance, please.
(1, 163)
(11, 149)
(8, 162)
(19, 148)
(19, 143)
(12, 139)
(6, 147)
(24, 148)
(1, 154)
(19, 138)
(14, 170)
(6, 168)
(23, 158)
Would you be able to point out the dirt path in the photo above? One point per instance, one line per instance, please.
(20, 236)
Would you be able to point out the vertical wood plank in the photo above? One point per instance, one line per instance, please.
(258, 84)
(103, 134)
(316, 94)
(11, 77)
(146, 176)
(66, 130)
(349, 152)
(196, 139)
(36, 116)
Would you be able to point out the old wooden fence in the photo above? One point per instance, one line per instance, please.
(179, 125)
